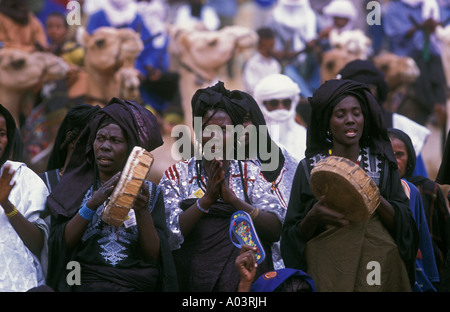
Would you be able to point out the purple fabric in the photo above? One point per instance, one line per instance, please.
(141, 128)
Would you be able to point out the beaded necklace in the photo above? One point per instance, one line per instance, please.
(330, 152)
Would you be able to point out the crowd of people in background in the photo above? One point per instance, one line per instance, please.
(176, 238)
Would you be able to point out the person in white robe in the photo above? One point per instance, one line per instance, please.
(284, 130)
(23, 234)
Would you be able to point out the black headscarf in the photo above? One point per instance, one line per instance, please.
(236, 104)
(366, 72)
(76, 119)
(10, 134)
(326, 97)
(402, 136)
(139, 125)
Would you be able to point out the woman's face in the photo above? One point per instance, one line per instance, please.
(110, 150)
(220, 119)
(3, 135)
(347, 122)
(401, 155)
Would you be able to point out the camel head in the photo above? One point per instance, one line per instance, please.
(212, 49)
(398, 70)
(109, 48)
(129, 82)
(20, 70)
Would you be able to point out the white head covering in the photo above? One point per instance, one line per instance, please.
(296, 14)
(283, 128)
(341, 8)
(277, 86)
(120, 12)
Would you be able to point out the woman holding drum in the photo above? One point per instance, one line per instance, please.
(341, 253)
(134, 256)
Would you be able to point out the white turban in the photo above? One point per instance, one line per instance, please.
(341, 8)
(275, 86)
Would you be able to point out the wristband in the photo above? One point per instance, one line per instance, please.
(12, 213)
(86, 213)
(200, 207)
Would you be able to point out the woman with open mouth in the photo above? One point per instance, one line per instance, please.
(203, 193)
(134, 256)
(339, 253)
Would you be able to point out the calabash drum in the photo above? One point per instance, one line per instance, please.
(348, 189)
(133, 175)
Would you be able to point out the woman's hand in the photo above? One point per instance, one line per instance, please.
(141, 202)
(5, 181)
(102, 194)
(215, 181)
(321, 214)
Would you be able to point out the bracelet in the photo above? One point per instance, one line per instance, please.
(12, 213)
(200, 207)
(86, 213)
(254, 213)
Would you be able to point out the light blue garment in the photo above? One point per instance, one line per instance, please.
(228, 8)
(397, 22)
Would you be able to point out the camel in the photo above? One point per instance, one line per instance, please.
(348, 46)
(199, 56)
(400, 72)
(109, 64)
(22, 72)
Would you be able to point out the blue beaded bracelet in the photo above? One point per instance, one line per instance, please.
(200, 207)
(86, 213)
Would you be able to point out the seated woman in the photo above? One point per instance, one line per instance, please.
(201, 195)
(346, 122)
(132, 257)
(23, 235)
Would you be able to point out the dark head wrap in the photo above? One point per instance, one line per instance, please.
(10, 134)
(402, 136)
(236, 104)
(217, 97)
(76, 119)
(443, 176)
(326, 97)
(139, 125)
(366, 72)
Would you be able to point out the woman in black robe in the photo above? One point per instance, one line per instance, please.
(337, 253)
(202, 193)
(133, 257)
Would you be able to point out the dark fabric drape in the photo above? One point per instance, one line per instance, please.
(322, 103)
(10, 134)
(205, 261)
(293, 244)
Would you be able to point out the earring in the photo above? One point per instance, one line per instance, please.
(329, 137)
